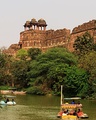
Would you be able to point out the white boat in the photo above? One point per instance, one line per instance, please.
(8, 103)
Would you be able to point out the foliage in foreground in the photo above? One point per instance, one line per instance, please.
(57, 67)
(44, 73)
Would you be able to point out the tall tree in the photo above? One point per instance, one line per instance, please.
(51, 70)
(2, 66)
(5, 65)
(83, 44)
(19, 70)
(88, 62)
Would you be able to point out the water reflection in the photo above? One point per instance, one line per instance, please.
(40, 108)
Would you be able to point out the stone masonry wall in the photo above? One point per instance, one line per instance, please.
(89, 27)
(32, 39)
(45, 39)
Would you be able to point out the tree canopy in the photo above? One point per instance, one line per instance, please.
(22, 54)
(54, 68)
(33, 53)
(84, 44)
(44, 72)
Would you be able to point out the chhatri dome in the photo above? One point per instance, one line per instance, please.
(33, 21)
(27, 24)
(35, 25)
(42, 22)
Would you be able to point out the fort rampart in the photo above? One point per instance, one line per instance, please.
(35, 35)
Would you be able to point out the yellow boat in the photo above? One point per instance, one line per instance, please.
(69, 111)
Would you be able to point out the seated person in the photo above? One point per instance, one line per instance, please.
(79, 104)
(7, 100)
(73, 102)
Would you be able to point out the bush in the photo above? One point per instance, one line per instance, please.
(4, 87)
(35, 90)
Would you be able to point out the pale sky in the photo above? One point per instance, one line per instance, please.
(58, 14)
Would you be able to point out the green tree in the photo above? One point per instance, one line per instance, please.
(2, 65)
(77, 80)
(19, 70)
(51, 69)
(33, 53)
(2, 60)
(88, 62)
(84, 44)
(5, 74)
(22, 54)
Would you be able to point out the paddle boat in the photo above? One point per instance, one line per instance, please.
(72, 111)
(7, 101)
(68, 111)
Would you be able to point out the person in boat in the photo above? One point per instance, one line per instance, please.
(75, 113)
(12, 100)
(66, 102)
(7, 100)
(66, 112)
(73, 102)
(79, 104)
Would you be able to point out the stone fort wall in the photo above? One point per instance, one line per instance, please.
(89, 27)
(35, 35)
(44, 39)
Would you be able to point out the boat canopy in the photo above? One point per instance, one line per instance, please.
(72, 98)
(8, 96)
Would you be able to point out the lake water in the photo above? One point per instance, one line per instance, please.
(31, 107)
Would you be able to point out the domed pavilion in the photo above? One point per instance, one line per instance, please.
(33, 24)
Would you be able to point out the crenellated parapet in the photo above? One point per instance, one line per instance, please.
(89, 27)
(85, 27)
(51, 34)
(57, 37)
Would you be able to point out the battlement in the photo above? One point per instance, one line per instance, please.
(85, 27)
(45, 39)
(51, 34)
